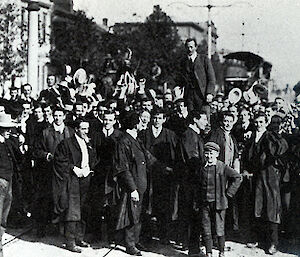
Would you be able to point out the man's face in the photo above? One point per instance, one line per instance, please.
(260, 123)
(78, 110)
(101, 111)
(145, 117)
(279, 103)
(5, 132)
(228, 122)
(48, 111)
(244, 116)
(202, 122)
(27, 91)
(211, 156)
(159, 103)
(109, 120)
(59, 117)
(275, 124)
(26, 109)
(191, 47)
(51, 81)
(180, 107)
(147, 105)
(38, 113)
(158, 120)
(168, 97)
(83, 130)
(14, 93)
(214, 106)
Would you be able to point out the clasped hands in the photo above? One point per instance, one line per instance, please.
(82, 172)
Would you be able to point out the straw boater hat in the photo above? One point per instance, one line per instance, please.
(6, 121)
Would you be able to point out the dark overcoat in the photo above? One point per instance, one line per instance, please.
(130, 171)
(163, 186)
(264, 160)
(69, 191)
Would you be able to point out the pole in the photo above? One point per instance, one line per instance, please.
(209, 36)
(33, 45)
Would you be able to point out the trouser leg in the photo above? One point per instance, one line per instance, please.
(70, 231)
(221, 243)
(273, 233)
(7, 205)
(206, 219)
(130, 233)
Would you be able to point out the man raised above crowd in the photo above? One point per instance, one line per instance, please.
(198, 78)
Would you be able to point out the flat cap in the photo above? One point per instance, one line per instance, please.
(212, 146)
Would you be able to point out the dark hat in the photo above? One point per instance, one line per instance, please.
(212, 146)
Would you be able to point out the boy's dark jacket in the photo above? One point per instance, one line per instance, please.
(223, 174)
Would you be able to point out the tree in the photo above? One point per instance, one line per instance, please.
(155, 40)
(76, 42)
(13, 47)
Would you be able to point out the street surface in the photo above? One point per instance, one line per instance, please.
(52, 246)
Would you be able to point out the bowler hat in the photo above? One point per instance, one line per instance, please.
(212, 146)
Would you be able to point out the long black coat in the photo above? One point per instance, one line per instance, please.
(69, 191)
(130, 171)
(264, 160)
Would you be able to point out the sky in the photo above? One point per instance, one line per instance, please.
(271, 27)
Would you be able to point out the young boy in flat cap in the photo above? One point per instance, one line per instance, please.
(213, 196)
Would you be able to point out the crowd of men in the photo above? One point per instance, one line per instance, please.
(130, 162)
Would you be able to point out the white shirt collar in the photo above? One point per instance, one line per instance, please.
(2, 139)
(108, 132)
(132, 133)
(59, 128)
(193, 56)
(156, 131)
(259, 134)
(195, 128)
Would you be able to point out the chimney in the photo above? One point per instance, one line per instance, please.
(105, 21)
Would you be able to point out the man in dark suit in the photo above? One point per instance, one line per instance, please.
(192, 155)
(103, 193)
(198, 78)
(74, 160)
(43, 153)
(161, 143)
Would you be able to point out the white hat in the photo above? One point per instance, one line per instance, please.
(6, 121)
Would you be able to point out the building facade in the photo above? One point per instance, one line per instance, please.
(36, 18)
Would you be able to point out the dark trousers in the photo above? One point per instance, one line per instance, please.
(213, 223)
(196, 101)
(5, 204)
(264, 231)
(232, 214)
(132, 232)
(74, 231)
